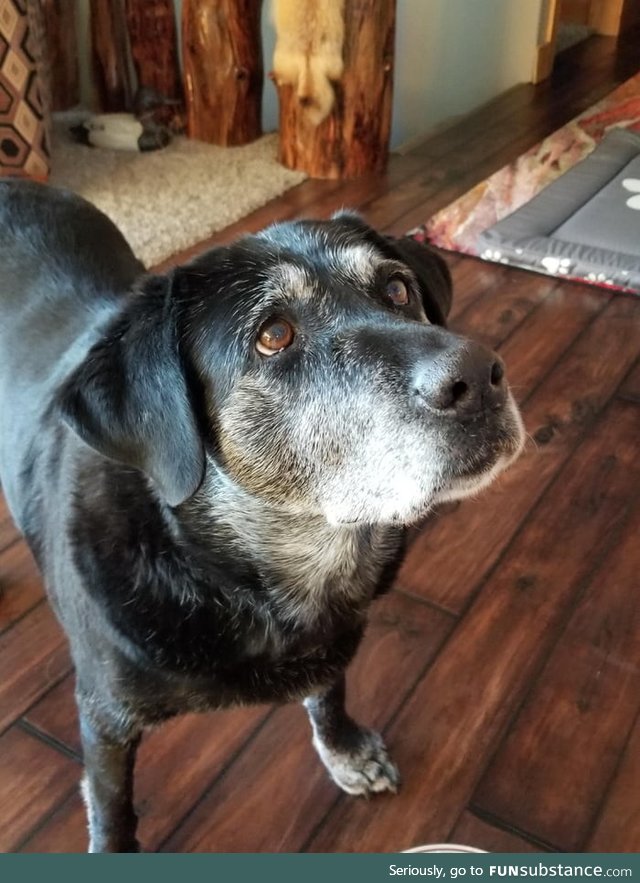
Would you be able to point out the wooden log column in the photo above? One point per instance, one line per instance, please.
(154, 48)
(223, 75)
(113, 80)
(354, 139)
(62, 50)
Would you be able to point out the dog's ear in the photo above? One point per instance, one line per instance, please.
(432, 274)
(129, 398)
(429, 268)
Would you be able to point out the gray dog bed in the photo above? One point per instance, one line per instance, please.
(585, 225)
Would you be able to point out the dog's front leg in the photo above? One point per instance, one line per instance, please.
(355, 756)
(107, 788)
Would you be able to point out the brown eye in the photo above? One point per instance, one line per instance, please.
(274, 336)
(397, 292)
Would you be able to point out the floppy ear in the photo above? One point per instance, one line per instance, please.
(429, 268)
(432, 274)
(129, 398)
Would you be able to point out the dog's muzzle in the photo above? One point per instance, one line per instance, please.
(462, 383)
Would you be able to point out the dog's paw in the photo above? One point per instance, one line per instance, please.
(363, 769)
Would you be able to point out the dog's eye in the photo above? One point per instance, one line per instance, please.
(274, 336)
(397, 292)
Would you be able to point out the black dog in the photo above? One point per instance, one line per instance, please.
(215, 468)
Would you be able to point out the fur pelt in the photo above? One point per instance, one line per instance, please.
(308, 52)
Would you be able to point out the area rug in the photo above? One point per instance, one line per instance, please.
(459, 226)
(166, 200)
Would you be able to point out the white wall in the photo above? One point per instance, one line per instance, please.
(269, 95)
(454, 55)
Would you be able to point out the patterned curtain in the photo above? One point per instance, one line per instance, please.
(24, 108)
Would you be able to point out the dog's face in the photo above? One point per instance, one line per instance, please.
(313, 370)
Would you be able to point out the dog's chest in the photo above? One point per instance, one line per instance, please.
(268, 610)
(277, 640)
(311, 570)
(310, 573)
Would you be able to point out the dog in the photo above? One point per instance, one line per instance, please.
(216, 467)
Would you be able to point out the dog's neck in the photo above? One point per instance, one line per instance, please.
(309, 568)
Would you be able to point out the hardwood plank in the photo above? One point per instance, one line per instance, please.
(577, 720)
(8, 531)
(33, 657)
(385, 210)
(549, 331)
(65, 829)
(471, 278)
(456, 183)
(630, 389)
(508, 118)
(441, 564)
(55, 715)
(20, 584)
(269, 798)
(402, 637)
(445, 733)
(359, 193)
(490, 319)
(176, 764)
(458, 135)
(33, 778)
(471, 830)
(618, 826)
(180, 761)
(276, 792)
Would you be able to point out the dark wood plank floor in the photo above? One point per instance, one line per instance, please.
(504, 668)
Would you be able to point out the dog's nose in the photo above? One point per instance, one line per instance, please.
(463, 382)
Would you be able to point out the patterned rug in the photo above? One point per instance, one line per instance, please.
(458, 226)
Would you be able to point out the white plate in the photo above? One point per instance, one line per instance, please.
(444, 847)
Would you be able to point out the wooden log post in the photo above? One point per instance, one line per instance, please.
(62, 49)
(353, 140)
(223, 76)
(109, 38)
(154, 51)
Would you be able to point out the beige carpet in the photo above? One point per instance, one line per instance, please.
(169, 199)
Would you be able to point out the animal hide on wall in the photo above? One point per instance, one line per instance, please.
(308, 52)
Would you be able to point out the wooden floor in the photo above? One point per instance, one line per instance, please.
(505, 667)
